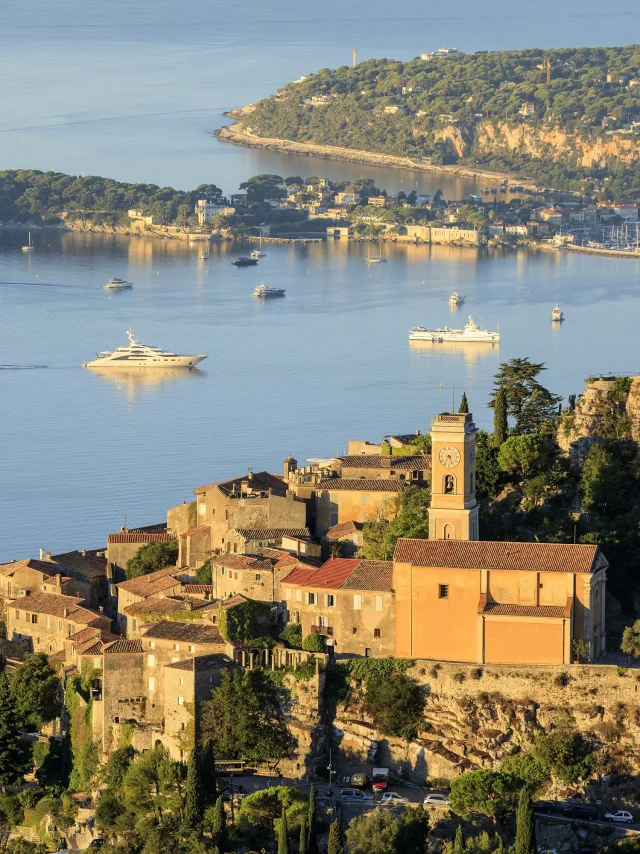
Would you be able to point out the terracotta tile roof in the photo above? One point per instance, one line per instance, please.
(154, 582)
(237, 599)
(261, 481)
(90, 564)
(54, 605)
(187, 632)
(168, 605)
(123, 646)
(497, 609)
(272, 533)
(405, 438)
(332, 484)
(371, 575)
(91, 649)
(343, 530)
(197, 588)
(202, 662)
(331, 574)
(534, 557)
(401, 462)
(199, 529)
(47, 567)
(233, 561)
(139, 537)
(90, 635)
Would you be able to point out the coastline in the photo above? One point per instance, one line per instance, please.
(233, 134)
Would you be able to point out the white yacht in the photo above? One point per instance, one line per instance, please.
(135, 355)
(116, 284)
(455, 299)
(29, 246)
(556, 315)
(257, 253)
(263, 292)
(469, 335)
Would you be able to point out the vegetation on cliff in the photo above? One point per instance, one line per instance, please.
(447, 109)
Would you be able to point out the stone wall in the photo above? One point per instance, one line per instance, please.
(579, 428)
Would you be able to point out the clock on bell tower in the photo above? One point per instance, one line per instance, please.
(453, 514)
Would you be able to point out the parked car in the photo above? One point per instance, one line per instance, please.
(580, 811)
(436, 801)
(354, 795)
(393, 799)
(359, 780)
(622, 816)
(544, 806)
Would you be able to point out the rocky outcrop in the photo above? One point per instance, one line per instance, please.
(608, 409)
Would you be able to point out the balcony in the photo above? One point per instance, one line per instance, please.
(326, 631)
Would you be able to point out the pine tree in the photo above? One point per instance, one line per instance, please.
(194, 790)
(335, 842)
(312, 839)
(525, 825)
(219, 826)
(302, 848)
(208, 772)
(458, 842)
(500, 426)
(283, 834)
(464, 403)
(13, 757)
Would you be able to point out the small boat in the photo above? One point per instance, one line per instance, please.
(469, 335)
(29, 246)
(257, 253)
(263, 292)
(116, 284)
(556, 315)
(377, 259)
(455, 299)
(205, 256)
(243, 261)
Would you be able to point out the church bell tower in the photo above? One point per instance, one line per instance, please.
(453, 514)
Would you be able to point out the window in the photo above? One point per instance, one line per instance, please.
(257, 576)
(181, 701)
(322, 622)
(152, 644)
(330, 600)
(9, 588)
(191, 648)
(443, 591)
(364, 498)
(176, 647)
(151, 660)
(17, 615)
(376, 633)
(471, 482)
(152, 683)
(287, 593)
(59, 625)
(222, 570)
(378, 603)
(298, 595)
(34, 618)
(134, 625)
(47, 621)
(175, 658)
(182, 726)
(449, 484)
(354, 631)
(357, 602)
(311, 598)
(182, 680)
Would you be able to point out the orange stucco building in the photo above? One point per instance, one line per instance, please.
(461, 599)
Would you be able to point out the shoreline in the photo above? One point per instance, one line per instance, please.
(233, 134)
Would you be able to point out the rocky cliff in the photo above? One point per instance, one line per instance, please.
(608, 409)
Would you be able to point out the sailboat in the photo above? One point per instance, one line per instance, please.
(29, 246)
(258, 253)
(377, 259)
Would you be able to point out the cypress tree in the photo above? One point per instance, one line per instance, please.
(525, 825)
(458, 842)
(500, 426)
(302, 848)
(464, 403)
(283, 834)
(312, 839)
(13, 757)
(335, 842)
(208, 762)
(219, 826)
(193, 791)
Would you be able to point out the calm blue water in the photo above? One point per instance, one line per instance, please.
(132, 91)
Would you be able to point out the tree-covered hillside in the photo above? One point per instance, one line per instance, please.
(403, 108)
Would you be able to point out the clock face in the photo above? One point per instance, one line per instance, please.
(449, 457)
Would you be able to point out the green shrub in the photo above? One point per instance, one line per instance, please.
(292, 635)
(622, 671)
(561, 679)
(313, 643)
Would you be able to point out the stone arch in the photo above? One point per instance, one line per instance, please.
(449, 531)
(449, 484)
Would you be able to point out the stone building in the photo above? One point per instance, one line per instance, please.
(257, 576)
(460, 599)
(297, 541)
(141, 615)
(162, 583)
(414, 468)
(351, 603)
(348, 534)
(80, 574)
(346, 500)
(47, 619)
(121, 547)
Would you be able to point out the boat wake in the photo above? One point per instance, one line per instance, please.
(21, 367)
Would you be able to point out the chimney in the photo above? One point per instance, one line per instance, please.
(59, 581)
(48, 556)
(83, 553)
(250, 474)
(65, 612)
(41, 554)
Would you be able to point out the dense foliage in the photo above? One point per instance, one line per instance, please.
(151, 557)
(380, 832)
(35, 689)
(396, 705)
(380, 536)
(246, 621)
(587, 92)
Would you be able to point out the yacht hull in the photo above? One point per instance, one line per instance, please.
(134, 364)
(440, 335)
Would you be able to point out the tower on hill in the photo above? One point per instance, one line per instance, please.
(453, 514)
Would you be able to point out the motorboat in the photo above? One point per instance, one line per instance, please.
(136, 355)
(556, 315)
(469, 335)
(116, 284)
(29, 246)
(243, 261)
(258, 253)
(264, 292)
(205, 256)
(455, 299)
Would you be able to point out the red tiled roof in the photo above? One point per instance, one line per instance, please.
(47, 567)
(363, 485)
(401, 462)
(233, 561)
(197, 588)
(139, 537)
(89, 564)
(343, 529)
(371, 575)
(54, 605)
(259, 481)
(154, 582)
(332, 574)
(534, 557)
(199, 529)
(123, 646)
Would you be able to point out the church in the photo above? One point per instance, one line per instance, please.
(459, 598)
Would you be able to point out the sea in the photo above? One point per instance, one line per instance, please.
(133, 92)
